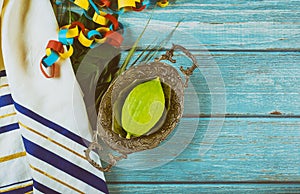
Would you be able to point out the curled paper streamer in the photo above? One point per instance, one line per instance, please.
(127, 3)
(51, 69)
(113, 20)
(139, 9)
(84, 4)
(94, 7)
(88, 38)
(68, 53)
(52, 53)
(62, 37)
(100, 18)
(103, 3)
(163, 3)
(68, 34)
(84, 40)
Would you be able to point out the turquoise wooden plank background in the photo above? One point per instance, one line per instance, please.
(255, 45)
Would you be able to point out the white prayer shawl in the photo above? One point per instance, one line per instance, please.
(42, 143)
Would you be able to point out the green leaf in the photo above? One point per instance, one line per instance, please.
(160, 46)
(151, 52)
(143, 107)
(133, 49)
(167, 92)
(68, 17)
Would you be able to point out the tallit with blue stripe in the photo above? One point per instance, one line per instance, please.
(44, 128)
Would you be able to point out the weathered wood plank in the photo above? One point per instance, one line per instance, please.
(255, 149)
(204, 188)
(243, 24)
(245, 150)
(255, 83)
(243, 83)
(224, 24)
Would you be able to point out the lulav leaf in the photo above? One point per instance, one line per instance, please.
(133, 49)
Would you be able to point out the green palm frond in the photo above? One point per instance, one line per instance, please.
(148, 53)
(133, 49)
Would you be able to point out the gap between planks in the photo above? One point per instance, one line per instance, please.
(269, 50)
(229, 116)
(206, 182)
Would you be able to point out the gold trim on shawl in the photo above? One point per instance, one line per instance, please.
(7, 115)
(52, 140)
(12, 156)
(16, 187)
(55, 179)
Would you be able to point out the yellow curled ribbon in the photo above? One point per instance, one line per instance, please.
(127, 3)
(68, 52)
(84, 4)
(89, 38)
(84, 40)
(101, 30)
(163, 3)
(100, 19)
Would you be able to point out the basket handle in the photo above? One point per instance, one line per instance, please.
(187, 72)
(113, 159)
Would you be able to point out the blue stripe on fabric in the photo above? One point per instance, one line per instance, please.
(64, 165)
(10, 127)
(20, 190)
(21, 182)
(52, 125)
(2, 73)
(42, 188)
(6, 100)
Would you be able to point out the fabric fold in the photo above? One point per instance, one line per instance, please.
(48, 118)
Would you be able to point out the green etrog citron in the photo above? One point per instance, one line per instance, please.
(143, 107)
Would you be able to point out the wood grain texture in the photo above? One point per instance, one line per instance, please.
(255, 83)
(254, 47)
(204, 188)
(242, 83)
(225, 25)
(245, 150)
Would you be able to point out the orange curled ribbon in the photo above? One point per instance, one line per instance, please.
(89, 38)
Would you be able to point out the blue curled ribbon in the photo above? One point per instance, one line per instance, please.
(94, 7)
(87, 15)
(92, 33)
(121, 27)
(51, 59)
(146, 2)
(62, 37)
